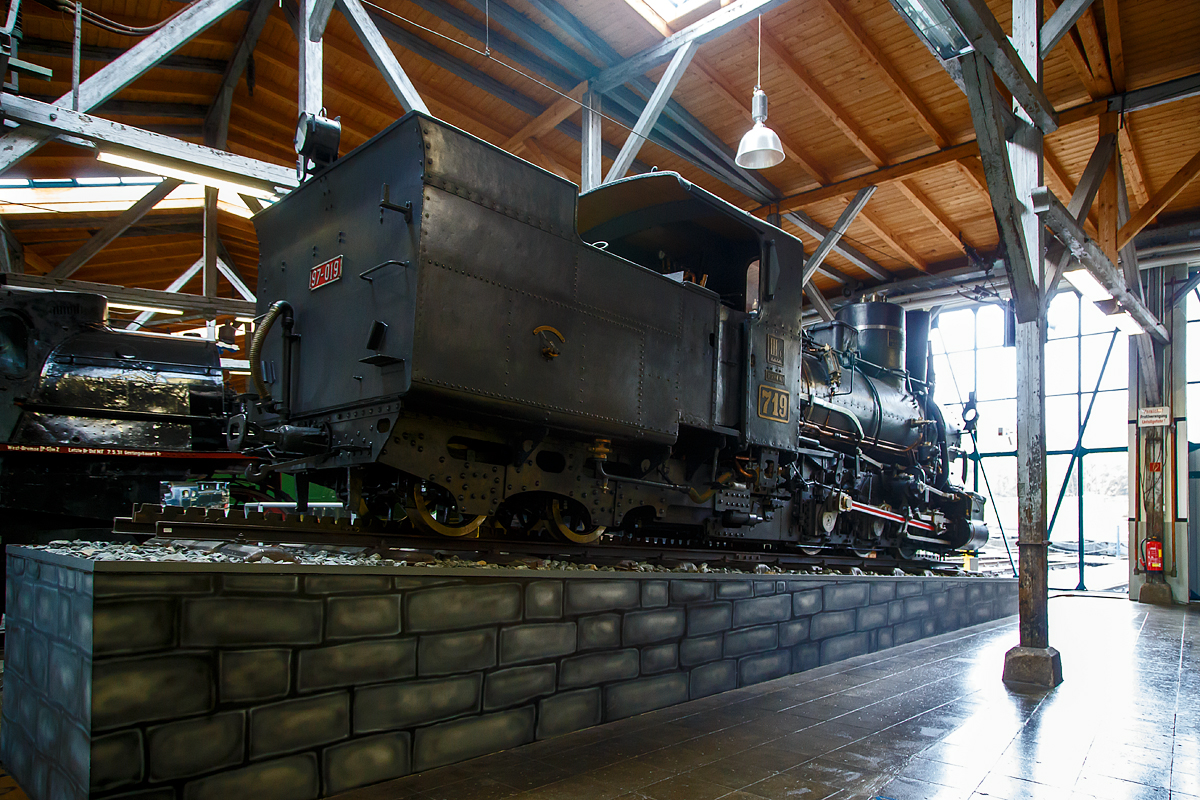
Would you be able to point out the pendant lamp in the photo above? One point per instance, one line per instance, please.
(760, 147)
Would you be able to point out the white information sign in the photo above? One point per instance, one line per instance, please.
(1154, 417)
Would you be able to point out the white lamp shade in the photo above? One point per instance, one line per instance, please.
(760, 148)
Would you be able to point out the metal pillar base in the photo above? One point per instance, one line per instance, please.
(1157, 593)
(1033, 666)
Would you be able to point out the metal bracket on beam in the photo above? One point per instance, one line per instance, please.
(1091, 256)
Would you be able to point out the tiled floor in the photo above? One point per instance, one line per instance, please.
(926, 720)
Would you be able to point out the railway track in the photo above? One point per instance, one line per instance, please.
(397, 540)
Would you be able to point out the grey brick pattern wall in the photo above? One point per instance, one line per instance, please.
(47, 667)
(227, 683)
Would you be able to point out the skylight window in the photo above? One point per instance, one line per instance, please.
(674, 9)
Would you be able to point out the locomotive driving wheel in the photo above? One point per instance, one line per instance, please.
(434, 512)
(572, 526)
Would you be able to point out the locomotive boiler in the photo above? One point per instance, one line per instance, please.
(92, 418)
(455, 337)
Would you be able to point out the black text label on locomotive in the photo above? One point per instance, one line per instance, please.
(773, 404)
(774, 350)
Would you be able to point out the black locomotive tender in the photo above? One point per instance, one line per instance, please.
(459, 338)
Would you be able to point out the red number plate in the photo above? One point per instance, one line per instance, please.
(325, 273)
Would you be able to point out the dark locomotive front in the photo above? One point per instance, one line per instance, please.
(454, 336)
(92, 418)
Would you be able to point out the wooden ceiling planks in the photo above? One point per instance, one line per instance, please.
(890, 99)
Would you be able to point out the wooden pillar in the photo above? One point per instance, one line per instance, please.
(210, 241)
(1033, 661)
(1107, 197)
(310, 99)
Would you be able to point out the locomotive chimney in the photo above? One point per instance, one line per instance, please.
(916, 325)
(880, 332)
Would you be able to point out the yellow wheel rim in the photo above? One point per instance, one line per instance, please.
(587, 537)
(425, 520)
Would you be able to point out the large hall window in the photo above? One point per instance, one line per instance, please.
(970, 357)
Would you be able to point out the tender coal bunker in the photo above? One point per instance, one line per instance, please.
(686, 236)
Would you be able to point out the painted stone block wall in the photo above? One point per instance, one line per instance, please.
(217, 681)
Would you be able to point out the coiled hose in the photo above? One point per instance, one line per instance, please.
(256, 343)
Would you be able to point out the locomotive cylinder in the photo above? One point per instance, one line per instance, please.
(880, 332)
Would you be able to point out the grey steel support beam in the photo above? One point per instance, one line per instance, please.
(1128, 253)
(654, 106)
(310, 61)
(1006, 206)
(818, 231)
(114, 228)
(216, 123)
(819, 302)
(318, 18)
(839, 229)
(210, 242)
(1091, 256)
(591, 166)
(709, 27)
(170, 299)
(1061, 21)
(1081, 202)
(151, 145)
(980, 26)
(393, 74)
(118, 74)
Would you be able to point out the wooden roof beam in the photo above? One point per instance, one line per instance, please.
(1161, 199)
(837, 232)
(385, 60)
(887, 72)
(119, 73)
(1060, 23)
(820, 97)
(547, 160)
(1116, 51)
(654, 106)
(558, 111)
(114, 228)
(906, 252)
(934, 214)
(1093, 47)
(888, 174)
(1132, 163)
(818, 231)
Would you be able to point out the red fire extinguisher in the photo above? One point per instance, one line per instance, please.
(1154, 556)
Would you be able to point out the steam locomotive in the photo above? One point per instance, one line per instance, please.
(452, 336)
(92, 418)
